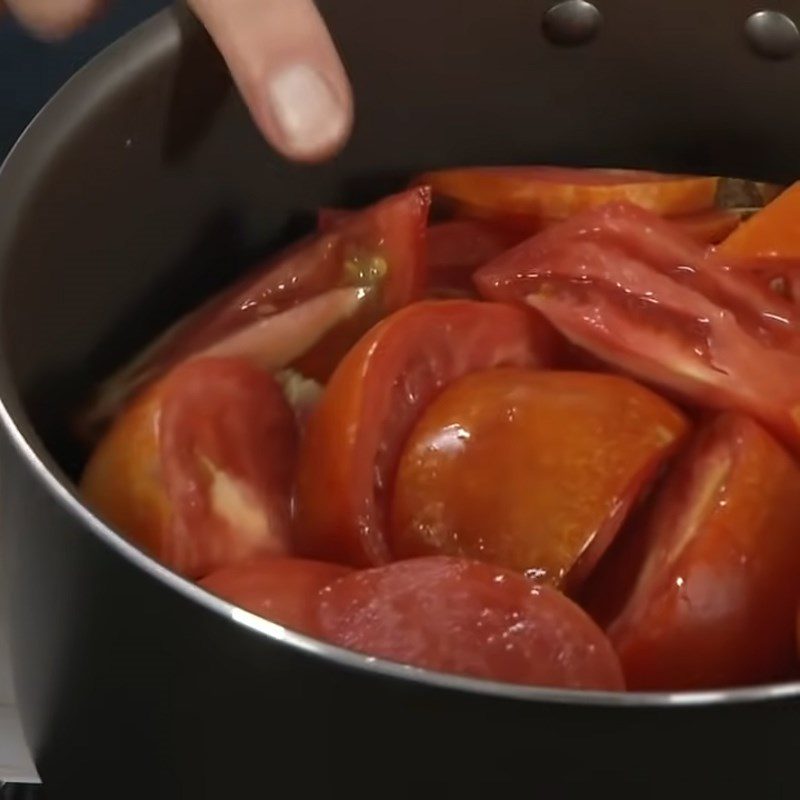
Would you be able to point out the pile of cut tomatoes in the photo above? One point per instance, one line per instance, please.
(532, 424)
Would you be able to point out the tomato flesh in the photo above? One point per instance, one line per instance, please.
(354, 435)
(534, 471)
(282, 590)
(717, 560)
(469, 618)
(199, 469)
(552, 193)
(629, 288)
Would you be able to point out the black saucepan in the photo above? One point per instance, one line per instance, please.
(142, 187)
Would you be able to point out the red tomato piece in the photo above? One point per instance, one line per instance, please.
(283, 590)
(629, 288)
(199, 469)
(354, 435)
(534, 471)
(380, 248)
(548, 193)
(715, 567)
(469, 618)
(457, 248)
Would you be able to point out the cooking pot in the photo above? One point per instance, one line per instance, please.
(142, 187)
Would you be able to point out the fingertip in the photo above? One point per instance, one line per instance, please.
(306, 114)
(54, 21)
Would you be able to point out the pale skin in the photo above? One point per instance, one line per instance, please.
(280, 55)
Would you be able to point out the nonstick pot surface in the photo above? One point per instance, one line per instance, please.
(143, 187)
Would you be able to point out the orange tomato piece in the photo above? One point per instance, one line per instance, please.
(534, 471)
(559, 192)
(772, 232)
(354, 436)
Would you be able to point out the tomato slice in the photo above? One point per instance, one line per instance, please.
(199, 469)
(283, 590)
(708, 227)
(772, 232)
(549, 193)
(469, 618)
(534, 471)
(354, 435)
(716, 567)
(627, 287)
(380, 248)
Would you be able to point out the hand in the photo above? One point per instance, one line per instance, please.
(279, 52)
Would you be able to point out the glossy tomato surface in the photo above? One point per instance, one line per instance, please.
(713, 568)
(469, 618)
(282, 590)
(354, 436)
(198, 470)
(534, 471)
(631, 289)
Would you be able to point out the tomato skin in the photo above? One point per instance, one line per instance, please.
(198, 470)
(718, 558)
(469, 618)
(553, 193)
(626, 286)
(381, 248)
(354, 435)
(282, 590)
(533, 471)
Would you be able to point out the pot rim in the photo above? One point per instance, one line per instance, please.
(157, 39)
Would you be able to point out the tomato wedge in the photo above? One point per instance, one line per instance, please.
(708, 227)
(772, 232)
(380, 248)
(534, 471)
(283, 590)
(629, 288)
(714, 600)
(469, 618)
(199, 469)
(776, 276)
(352, 443)
(552, 193)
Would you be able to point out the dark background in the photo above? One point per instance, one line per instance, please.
(31, 71)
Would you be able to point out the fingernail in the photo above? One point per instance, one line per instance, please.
(308, 113)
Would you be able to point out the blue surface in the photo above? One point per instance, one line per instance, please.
(30, 71)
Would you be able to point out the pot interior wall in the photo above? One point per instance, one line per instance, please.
(145, 186)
